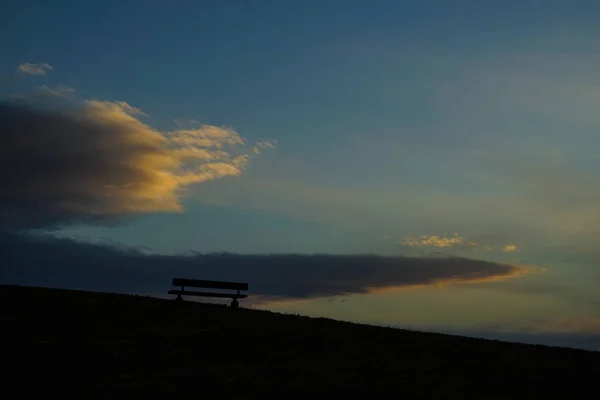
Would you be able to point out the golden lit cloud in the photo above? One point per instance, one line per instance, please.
(454, 240)
(99, 160)
(437, 241)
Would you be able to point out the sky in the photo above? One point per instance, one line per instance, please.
(423, 164)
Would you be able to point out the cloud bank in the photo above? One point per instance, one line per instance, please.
(47, 260)
(98, 161)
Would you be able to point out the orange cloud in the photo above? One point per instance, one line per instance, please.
(509, 248)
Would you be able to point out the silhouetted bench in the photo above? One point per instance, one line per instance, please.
(183, 283)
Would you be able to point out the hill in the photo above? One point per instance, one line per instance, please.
(102, 345)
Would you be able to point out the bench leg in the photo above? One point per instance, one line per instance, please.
(235, 303)
(179, 298)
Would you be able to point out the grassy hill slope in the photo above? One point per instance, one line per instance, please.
(100, 345)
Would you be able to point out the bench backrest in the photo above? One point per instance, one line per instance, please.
(210, 284)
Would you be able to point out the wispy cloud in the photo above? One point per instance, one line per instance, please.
(437, 241)
(452, 241)
(182, 123)
(35, 69)
(264, 145)
(44, 91)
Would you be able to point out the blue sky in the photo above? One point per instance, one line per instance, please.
(399, 125)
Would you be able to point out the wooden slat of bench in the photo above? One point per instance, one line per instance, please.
(208, 294)
(210, 284)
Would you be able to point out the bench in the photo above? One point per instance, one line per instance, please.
(183, 283)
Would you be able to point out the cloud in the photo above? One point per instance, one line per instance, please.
(182, 123)
(48, 260)
(264, 145)
(436, 241)
(35, 69)
(59, 91)
(454, 240)
(96, 160)
(43, 92)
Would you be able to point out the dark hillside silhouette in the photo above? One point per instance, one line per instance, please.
(99, 345)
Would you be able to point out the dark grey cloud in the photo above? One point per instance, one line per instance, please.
(46, 260)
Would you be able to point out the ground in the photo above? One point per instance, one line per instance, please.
(101, 345)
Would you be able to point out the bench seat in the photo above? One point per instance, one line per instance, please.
(205, 284)
(208, 294)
